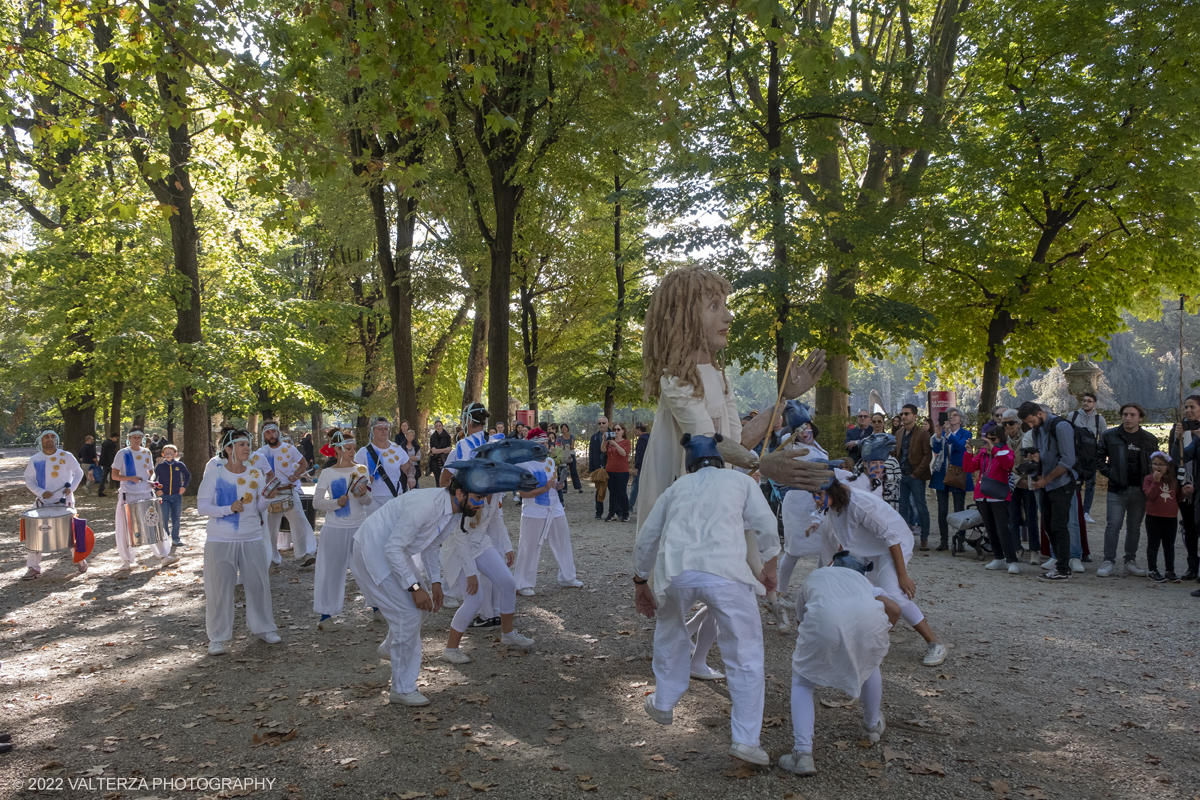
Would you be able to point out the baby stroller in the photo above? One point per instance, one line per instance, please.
(968, 529)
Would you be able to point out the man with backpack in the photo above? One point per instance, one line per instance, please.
(1089, 419)
(1055, 441)
(1123, 455)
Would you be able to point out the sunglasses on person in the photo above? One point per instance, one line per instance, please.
(1008, 422)
(864, 416)
(998, 416)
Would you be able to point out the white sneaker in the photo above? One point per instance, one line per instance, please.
(658, 715)
(935, 654)
(750, 754)
(216, 648)
(270, 637)
(455, 656)
(408, 698)
(515, 639)
(383, 652)
(1076, 565)
(377, 615)
(1051, 564)
(1034, 557)
(798, 763)
(168, 560)
(31, 573)
(526, 592)
(875, 732)
(1087, 517)
(995, 563)
(82, 566)
(1105, 570)
(126, 567)
(1014, 568)
(1131, 568)
(451, 602)
(575, 584)
(707, 674)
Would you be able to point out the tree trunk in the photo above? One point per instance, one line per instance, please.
(614, 358)
(402, 346)
(252, 425)
(477, 361)
(999, 328)
(114, 417)
(529, 339)
(500, 293)
(139, 419)
(171, 420)
(318, 428)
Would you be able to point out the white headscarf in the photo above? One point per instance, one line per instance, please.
(48, 432)
(229, 438)
(134, 432)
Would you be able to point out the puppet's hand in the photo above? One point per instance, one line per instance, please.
(784, 468)
(803, 377)
(643, 598)
(736, 455)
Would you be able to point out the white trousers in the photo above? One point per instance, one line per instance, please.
(804, 710)
(224, 563)
(404, 620)
(333, 559)
(734, 607)
(884, 576)
(304, 541)
(490, 564)
(126, 550)
(535, 531)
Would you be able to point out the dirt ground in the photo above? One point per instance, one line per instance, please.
(1083, 689)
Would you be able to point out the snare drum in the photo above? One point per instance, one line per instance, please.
(48, 529)
(282, 504)
(144, 522)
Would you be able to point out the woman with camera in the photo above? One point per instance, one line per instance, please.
(949, 442)
(994, 462)
(617, 449)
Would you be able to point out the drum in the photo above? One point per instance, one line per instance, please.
(282, 504)
(144, 522)
(48, 529)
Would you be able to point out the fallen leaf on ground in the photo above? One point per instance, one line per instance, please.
(441, 792)
(842, 745)
(743, 771)
(890, 755)
(410, 795)
(1035, 793)
(272, 738)
(555, 739)
(480, 698)
(999, 787)
(480, 786)
(52, 765)
(926, 768)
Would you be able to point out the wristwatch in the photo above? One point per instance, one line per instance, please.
(414, 587)
(639, 581)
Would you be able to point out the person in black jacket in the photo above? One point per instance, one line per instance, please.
(89, 460)
(1123, 456)
(596, 458)
(1185, 450)
(108, 451)
(639, 453)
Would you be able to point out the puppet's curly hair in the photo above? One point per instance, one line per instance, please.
(673, 332)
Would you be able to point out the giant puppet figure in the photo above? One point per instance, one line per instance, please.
(686, 328)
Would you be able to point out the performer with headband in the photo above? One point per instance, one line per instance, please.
(281, 461)
(474, 421)
(232, 495)
(384, 460)
(544, 519)
(384, 562)
(693, 544)
(52, 475)
(343, 493)
(133, 469)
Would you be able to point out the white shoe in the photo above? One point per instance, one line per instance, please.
(451, 602)
(995, 563)
(707, 674)
(126, 567)
(1076, 565)
(383, 652)
(515, 639)
(216, 648)
(1051, 564)
(1087, 517)
(1034, 557)
(270, 637)
(935, 654)
(31, 573)
(750, 754)
(526, 592)
(1014, 568)
(82, 566)
(1105, 570)
(575, 584)
(875, 732)
(408, 698)
(1131, 568)
(455, 656)
(168, 560)
(377, 615)
(798, 763)
(656, 714)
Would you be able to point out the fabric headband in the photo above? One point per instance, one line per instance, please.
(381, 421)
(49, 432)
(230, 438)
(1160, 453)
(270, 426)
(135, 432)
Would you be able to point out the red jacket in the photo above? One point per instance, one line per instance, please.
(996, 464)
(1159, 504)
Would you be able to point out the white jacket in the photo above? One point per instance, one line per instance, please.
(334, 483)
(843, 629)
(413, 524)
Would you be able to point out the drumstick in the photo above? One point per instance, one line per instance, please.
(778, 399)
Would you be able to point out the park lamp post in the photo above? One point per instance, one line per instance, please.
(1082, 376)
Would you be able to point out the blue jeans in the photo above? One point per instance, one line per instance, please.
(1073, 528)
(1023, 518)
(1089, 492)
(172, 505)
(912, 497)
(618, 500)
(633, 492)
(1128, 505)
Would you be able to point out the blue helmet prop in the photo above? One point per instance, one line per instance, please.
(701, 451)
(479, 476)
(877, 446)
(512, 451)
(843, 559)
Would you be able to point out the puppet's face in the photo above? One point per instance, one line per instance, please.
(715, 317)
(806, 433)
(821, 500)
(877, 469)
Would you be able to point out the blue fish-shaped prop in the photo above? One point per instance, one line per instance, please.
(482, 476)
(512, 451)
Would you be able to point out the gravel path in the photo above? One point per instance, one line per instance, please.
(1086, 689)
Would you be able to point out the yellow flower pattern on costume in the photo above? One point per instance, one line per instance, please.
(241, 481)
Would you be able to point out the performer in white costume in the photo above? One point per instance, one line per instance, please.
(844, 622)
(283, 462)
(52, 475)
(864, 523)
(543, 519)
(384, 460)
(343, 493)
(693, 545)
(231, 496)
(133, 468)
(474, 421)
